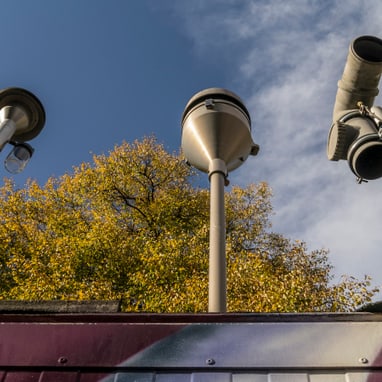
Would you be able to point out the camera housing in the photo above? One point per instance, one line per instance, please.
(356, 134)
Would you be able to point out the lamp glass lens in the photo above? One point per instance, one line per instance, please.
(17, 159)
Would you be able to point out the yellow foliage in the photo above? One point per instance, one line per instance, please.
(132, 226)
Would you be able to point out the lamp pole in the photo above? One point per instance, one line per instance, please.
(216, 139)
(217, 289)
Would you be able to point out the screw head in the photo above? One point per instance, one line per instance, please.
(62, 360)
(363, 360)
(210, 361)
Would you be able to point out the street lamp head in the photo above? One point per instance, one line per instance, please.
(22, 117)
(216, 126)
(25, 110)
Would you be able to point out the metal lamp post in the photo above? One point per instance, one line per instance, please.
(216, 139)
(22, 117)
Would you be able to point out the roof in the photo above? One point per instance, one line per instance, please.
(84, 346)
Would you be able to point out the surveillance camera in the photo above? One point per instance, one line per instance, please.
(356, 131)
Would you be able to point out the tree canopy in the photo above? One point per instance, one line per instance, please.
(132, 226)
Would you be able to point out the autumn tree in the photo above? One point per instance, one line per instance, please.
(132, 226)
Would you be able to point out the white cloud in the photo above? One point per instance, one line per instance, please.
(289, 56)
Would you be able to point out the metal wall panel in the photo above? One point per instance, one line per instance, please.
(22, 376)
(62, 376)
(134, 377)
(330, 376)
(211, 377)
(250, 377)
(56, 376)
(177, 377)
(193, 348)
(287, 377)
(270, 346)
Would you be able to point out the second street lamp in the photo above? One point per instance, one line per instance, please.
(216, 139)
(22, 118)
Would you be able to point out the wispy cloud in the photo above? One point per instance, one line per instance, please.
(285, 59)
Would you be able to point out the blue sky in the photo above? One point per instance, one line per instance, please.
(114, 70)
(105, 71)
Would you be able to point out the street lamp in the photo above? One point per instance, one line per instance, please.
(216, 139)
(22, 117)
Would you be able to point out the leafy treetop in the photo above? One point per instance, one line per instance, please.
(132, 226)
